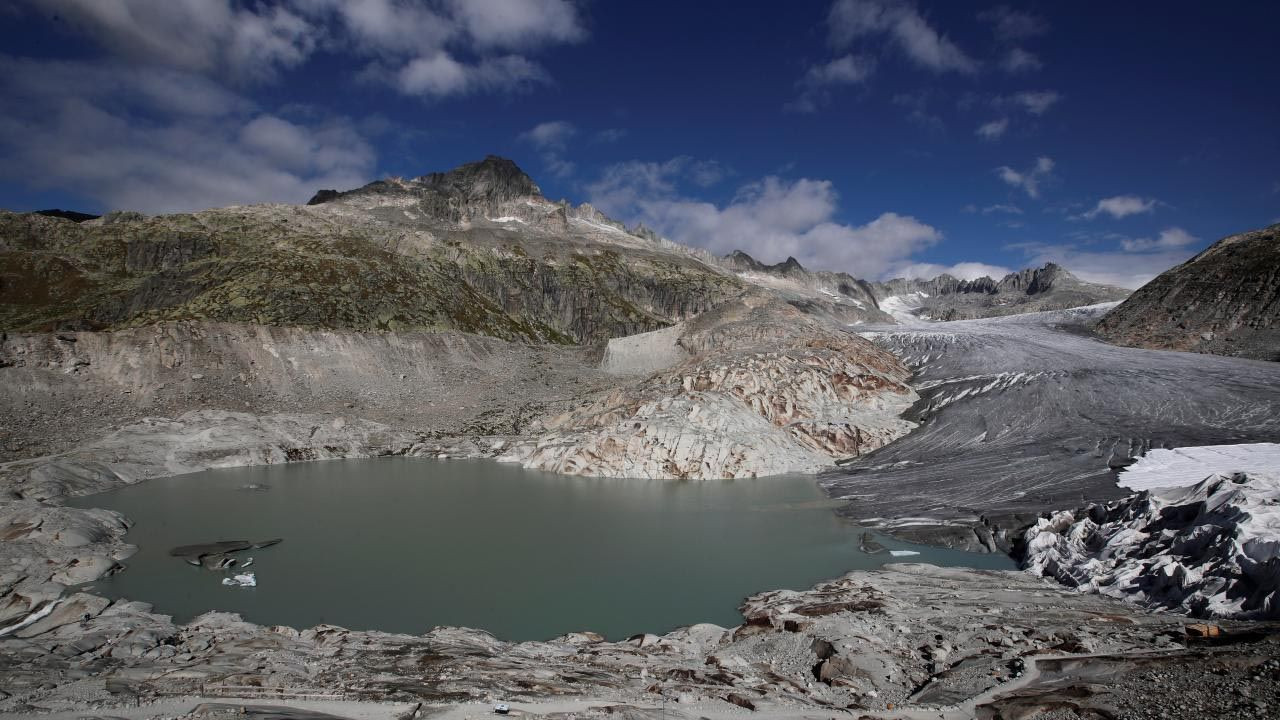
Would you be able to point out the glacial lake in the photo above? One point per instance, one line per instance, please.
(403, 545)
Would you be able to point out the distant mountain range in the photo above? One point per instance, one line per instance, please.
(480, 249)
(944, 297)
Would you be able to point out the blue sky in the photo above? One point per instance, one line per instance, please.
(878, 137)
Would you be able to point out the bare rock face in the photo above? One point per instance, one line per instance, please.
(767, 390)
(1224, 301)
(466, 191)
(837, 295)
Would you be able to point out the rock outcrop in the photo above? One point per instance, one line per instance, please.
(906, 639)
(836, 295)
(946, 297)
(766, 390)
(1224, 301)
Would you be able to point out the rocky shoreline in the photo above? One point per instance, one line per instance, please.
(904, 640)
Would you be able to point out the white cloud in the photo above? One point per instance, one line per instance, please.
(441, 75)
(1009, 25)
(454, 47)
(962, 270)
(847, 70)
(1009, 209)
(819, 79)
(519, 23)
(903, 26)
(993, 130)
(125, 164)
(1174, 237)
(1028, 180)
(770, 219)
(209, 36)
(1037, 103)
(553, 134)
(1018, 60)
(27, 81)
(178, 143)
(1121, 206)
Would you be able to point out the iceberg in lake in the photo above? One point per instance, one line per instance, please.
(241, 580)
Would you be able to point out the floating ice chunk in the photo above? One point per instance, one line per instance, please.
(241, 580)
(902, 553)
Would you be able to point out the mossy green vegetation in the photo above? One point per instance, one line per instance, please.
(288, 266)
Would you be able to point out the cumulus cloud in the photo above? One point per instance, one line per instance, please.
(549, 135)
(770, 219)
(901, 25)
(962, 270)
(1174, 237)
(993, 130)
(519, 23)
(209, 36)
(1121, 206)
(441, 75)
(819, 79)
(1028, 180)
(434, 50)
(162, 141)
(878, 24)
(159, 120)
(1110, 267)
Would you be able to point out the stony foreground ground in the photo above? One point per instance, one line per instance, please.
(906, 641)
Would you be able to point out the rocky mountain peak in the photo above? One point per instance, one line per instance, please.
(1034, 281)
(493, 179)
(740, 260)
(454, 196)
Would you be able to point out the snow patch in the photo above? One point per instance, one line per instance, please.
(1185, 466)
(902, 307)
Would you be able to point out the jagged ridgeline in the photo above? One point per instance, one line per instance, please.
(477, 249)
(943, 298)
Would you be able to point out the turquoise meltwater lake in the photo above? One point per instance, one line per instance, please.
(403, 545)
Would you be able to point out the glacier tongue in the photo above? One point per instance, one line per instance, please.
(1211, 549)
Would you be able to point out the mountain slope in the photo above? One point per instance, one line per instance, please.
(476, 249)
(945, 297)
(1224, 301)
(836, 294)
